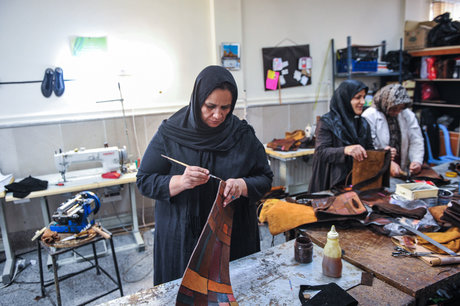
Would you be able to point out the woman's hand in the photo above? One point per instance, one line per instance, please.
(193, 176)
(392, 150)
(415, 167)
(395, 169)
(234, 189)
(356, 151)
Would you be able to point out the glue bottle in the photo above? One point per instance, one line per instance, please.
(332, 255)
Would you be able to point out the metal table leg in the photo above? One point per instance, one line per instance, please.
(46, 220)
(284, 175)
(40, 266)
(8, 269)
(115, 262)
(56, 280)
(95, 259)
(136, 233)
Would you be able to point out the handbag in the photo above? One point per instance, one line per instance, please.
(372, 172)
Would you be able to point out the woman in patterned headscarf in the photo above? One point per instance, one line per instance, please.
(393, 124)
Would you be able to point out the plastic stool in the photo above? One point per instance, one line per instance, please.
(431, 160)
(449, 157)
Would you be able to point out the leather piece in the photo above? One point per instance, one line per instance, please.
(206, 280)
(282, 216)
(347, 204)
(282, 145)
(375, 167)
(394, 210)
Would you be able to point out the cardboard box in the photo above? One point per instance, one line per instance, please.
(416, 33)
(412, 191)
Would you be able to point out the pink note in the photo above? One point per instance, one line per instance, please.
(272, 79)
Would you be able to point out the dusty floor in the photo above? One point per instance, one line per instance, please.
(135, 267)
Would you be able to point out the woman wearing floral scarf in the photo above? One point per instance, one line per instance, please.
(394, 125)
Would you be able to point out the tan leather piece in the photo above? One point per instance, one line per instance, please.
(282, 216)
(369, 167)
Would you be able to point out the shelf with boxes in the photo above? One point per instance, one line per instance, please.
(438, 84)
(363, 62)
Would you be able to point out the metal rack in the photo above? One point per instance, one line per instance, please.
(350, 74)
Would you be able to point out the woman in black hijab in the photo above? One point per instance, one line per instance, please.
(341, 136)
(206, 135)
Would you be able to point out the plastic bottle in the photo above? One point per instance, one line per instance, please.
(332, 255)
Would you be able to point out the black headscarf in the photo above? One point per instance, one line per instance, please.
(341, 119)
(186, 126)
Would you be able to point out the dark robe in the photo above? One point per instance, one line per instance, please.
(230, 150)
(338, 128)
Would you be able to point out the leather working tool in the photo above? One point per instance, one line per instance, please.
(77, 214)
(419, 233)
(185, 165)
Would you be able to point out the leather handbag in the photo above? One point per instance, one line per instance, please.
(372, 172)
(344, 206)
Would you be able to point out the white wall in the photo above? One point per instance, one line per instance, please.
(162, 45)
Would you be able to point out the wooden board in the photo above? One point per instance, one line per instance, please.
(382, 292)
(372, 252)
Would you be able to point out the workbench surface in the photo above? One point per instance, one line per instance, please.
(259, 279)
(78, 180)
(372, 252)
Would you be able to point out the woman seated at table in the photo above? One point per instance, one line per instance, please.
(341, 136)
(393, 124)
(208, 137)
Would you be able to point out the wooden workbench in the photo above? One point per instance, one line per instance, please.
(372, 252)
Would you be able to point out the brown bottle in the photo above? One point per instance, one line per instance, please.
(332, 255)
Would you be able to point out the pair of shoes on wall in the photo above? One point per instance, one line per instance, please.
(53, 81)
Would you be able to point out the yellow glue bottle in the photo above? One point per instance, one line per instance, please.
(332, 255)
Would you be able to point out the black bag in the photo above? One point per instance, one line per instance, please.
(445, 33)
(392, 58)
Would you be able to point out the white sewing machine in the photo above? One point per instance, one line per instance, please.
(112, 158)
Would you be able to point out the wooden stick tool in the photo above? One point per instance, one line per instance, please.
(185, 165)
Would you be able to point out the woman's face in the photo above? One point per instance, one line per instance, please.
(216, 107)
(357, 102)
(395, 110)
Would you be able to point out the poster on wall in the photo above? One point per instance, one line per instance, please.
(230, 55)
(287, 66)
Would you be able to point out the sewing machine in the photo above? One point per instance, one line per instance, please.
(112, 158)
(77, 214)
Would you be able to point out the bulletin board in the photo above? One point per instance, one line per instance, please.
(287, 66)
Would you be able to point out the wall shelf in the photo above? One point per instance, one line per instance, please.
(431, 104)
(447, 50)
(351, 74)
